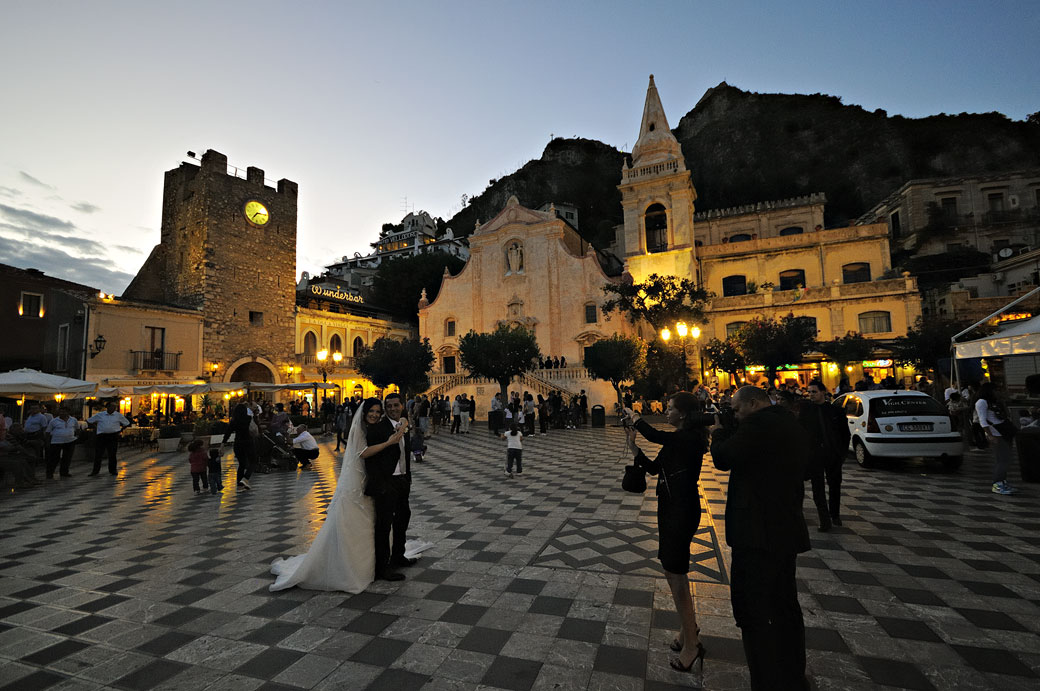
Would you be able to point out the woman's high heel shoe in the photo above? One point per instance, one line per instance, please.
(676, 646)
(678, 666)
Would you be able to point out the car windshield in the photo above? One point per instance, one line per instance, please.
(891, 406)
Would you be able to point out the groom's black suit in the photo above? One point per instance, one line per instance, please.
(389, 493)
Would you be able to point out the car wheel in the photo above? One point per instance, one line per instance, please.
(863, 456)
(952, 462)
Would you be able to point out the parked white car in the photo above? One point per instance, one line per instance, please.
(900, 424)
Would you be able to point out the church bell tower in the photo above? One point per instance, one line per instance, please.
(657, 196)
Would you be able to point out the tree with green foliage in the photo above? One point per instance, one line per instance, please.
(406, 364)
(725, 356)
(659, 300)
(399, 281)
(852, 347)
(664, 371)
(776, 342)
(927, 343)
(616, 359)
(501, 355)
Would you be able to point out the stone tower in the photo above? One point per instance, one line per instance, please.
(239, 270)
(657, 198)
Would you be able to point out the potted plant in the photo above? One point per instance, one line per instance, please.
(169, 438)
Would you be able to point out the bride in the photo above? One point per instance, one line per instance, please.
(342, 556)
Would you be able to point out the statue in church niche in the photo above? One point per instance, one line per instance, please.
(515, 259)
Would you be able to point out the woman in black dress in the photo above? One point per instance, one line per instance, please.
(678, 467)
(245, 449)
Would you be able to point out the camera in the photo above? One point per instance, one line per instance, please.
(727, 418)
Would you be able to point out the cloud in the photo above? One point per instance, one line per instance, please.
(10, 192)
(94, 272)
(33, 219)
(127, 249)
(86, 207)
(30, 178)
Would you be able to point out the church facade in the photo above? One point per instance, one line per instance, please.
(526, 268)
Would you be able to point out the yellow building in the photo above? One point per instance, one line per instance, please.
(145, 344)
(763, 260)
(334, 320)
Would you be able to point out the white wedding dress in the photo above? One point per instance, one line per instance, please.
(342, 556)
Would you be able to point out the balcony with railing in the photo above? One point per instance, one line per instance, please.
(347, 363)
(155, 361)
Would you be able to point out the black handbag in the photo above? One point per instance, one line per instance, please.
(634, 479)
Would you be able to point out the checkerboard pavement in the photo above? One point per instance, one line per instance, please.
(543, 581)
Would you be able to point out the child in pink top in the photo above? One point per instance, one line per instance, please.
(198, 458)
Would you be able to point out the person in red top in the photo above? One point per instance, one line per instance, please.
(199, 461)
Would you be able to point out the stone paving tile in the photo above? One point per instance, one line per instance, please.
(546, 581)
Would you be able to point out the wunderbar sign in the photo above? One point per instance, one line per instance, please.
(336, 294)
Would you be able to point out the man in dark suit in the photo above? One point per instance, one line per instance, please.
(383, 462)
(401, 482)
(828, 430)
(765, 453)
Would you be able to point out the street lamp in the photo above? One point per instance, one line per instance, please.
(683, 330)
(324, 366)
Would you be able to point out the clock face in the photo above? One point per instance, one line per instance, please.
(256, 213)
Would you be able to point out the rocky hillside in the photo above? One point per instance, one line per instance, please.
(746, 147)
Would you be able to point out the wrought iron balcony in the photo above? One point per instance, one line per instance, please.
(155, 360)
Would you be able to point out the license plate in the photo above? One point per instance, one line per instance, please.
(922, 427)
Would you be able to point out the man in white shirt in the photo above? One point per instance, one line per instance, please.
(62, 432)
(305, 448)
(109, 425)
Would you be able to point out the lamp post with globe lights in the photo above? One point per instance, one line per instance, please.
(683, 331)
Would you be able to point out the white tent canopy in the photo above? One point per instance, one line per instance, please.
(26, 382)
(198, 389)
(1022, 338)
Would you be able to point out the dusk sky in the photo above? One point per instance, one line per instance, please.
(372, 107)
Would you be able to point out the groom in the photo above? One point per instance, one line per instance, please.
(388, 484)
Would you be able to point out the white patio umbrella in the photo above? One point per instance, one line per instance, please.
(27, 382)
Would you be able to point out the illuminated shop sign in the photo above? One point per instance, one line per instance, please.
(872, 364)
(336, 294)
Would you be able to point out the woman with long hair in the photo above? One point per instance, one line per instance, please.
(245, 449)
(1000, 431)
(342, 556)
(678, 469)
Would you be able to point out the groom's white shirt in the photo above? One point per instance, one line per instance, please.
(399, 470)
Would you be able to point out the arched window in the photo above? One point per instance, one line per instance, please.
(792, 230)
(791, 279)
(733, 327)
(449, 327)
(335, 344)
(858, 272)
(359, 345)
(734, 285)
(740, 237)
(656, 223)
(875, 322)
(310, 343)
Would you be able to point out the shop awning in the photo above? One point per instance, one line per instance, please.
(1022, 338)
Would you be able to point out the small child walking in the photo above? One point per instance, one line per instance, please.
(197, 460)
(514, 449)
(215, 484)
(418, 444)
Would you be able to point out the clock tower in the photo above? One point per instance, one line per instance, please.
(228, 248)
